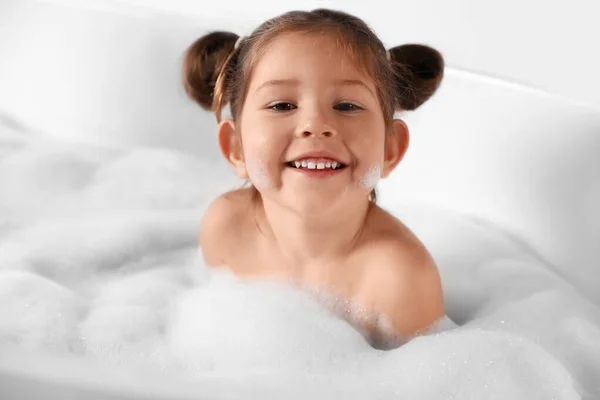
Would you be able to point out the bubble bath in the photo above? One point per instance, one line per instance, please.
(258, 174)
(371, 177)
(99, 267)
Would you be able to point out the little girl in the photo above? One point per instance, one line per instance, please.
(312, 97)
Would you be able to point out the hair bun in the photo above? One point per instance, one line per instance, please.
(419, 71)
(203, 62)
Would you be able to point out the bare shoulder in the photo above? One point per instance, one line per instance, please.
(222, 222)
(406, 278)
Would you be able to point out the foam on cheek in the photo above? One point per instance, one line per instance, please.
(371, 177)
(258, 174)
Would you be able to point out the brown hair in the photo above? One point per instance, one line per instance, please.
(216, 72)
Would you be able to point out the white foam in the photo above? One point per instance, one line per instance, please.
(258, 174)
(371, 177)
(98, 260)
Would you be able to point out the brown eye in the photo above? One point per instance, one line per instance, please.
(282, 107)
(346, 107)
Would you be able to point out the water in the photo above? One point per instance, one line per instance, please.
(98, 261)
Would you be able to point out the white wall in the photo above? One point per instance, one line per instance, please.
(551, 45)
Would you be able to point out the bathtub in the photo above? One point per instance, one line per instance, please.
(498, 175)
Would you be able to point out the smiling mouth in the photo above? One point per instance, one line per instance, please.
(316, 164)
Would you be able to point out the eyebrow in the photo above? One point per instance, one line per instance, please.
(278, 82)
(296, 82)
(354, 82)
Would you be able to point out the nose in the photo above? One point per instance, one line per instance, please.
(316, 125)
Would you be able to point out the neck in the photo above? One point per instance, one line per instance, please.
(309, 237)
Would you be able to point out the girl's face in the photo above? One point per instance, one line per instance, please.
(312, 129)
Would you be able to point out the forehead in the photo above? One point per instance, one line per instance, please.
(309, 56)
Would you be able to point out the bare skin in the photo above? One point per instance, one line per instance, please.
(385, 268)
(320, 230)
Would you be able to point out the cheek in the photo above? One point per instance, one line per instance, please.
(364, 133)
(368, 146)
(262, 152)
(370, 178)
(258, 173)
(267, 149)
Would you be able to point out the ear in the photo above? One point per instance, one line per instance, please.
(396, 144)
(231, 147)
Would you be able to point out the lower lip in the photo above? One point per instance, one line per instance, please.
(318, 173)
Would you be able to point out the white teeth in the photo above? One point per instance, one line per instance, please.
(319, 164)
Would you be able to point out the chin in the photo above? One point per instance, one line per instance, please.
(313, 205)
